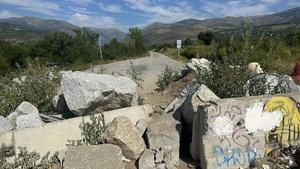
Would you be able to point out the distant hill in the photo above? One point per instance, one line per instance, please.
(108, 34)
(189, 28)
(31, 28)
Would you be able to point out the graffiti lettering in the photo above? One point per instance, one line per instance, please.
(234, 156)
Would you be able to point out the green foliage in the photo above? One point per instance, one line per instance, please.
(136, 35)
(38, 90)
(92, 131)
(30, 160)
(166, 77)
(206, 37)
(134, 74)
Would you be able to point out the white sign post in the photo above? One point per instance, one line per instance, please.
(178, 43)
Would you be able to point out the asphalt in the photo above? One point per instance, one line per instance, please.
(148, 67)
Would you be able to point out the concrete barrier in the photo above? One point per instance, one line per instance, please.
(230, 133)
(54, 136)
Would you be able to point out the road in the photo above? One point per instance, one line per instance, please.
(149, 68)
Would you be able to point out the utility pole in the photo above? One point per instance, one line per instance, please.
(100, 48)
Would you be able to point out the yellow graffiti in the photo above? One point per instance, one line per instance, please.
(289, 129)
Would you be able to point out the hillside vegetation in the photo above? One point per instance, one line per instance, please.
(62, 49)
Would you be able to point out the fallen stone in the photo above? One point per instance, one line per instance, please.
(87, 93)
(255, 68)
(159, 156)
(104, 156)
(161, 166)
(134, 113)
(59, 105)
(198, 64)
(268, 84)
(121, 132)
(163, 132)
(141, 126)
(24, 108)
(5, 125)
(29, 121)
(200, 97)
(146, 161)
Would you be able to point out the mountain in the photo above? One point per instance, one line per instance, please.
(108, 34)
(31, 28)
(190, 28)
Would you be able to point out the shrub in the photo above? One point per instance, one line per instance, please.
(38, 90)
(92, 131)
(166, 77)
(134, 74)
(30, 160)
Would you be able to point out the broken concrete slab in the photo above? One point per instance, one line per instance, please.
(106, 156)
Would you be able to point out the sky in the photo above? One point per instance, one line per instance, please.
(123, 14)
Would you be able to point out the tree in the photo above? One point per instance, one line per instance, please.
(206, 37)
(136, 35)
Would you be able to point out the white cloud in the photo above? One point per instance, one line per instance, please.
(7, 14)
(293, 3)
(39, 6)
(163, 13)
(235, 8)
(83, 20)
(111, 8)
(271, 1)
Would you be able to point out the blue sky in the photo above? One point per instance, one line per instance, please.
(123, 14)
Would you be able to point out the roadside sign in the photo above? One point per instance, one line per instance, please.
(178, 42)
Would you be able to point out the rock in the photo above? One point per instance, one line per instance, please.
(200, 97)
(25, 108)
(159, 156)
(141, 126)
(171, 159)
(255, 68)
(146, 161)
(163, 133)
(266, 84)
(104, 156)
(122, 133)
(5, 125)
(161, 166)
(134, 113)
(196, 64)
(29, 121)
(88, 92)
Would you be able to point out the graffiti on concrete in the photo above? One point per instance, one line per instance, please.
(228, 157)
(289, 128)
(237, 134)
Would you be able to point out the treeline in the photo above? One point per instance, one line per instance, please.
(64, 50)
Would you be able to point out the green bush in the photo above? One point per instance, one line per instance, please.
(37, 90)
(134, 74)
(29, 160)
(166, 77)
(92, 131)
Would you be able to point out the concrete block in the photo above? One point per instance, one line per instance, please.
(230, 133)
(54, 136)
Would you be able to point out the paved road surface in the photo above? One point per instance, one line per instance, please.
(149, 67)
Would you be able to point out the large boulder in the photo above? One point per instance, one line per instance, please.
(5, 125)
(200, 97)
(196, 64)
(270, 83)
(88, 92)
(123, 133)
(104, 156)
(146, 161)
(25, 108)
(163, 134)
(29, 121)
